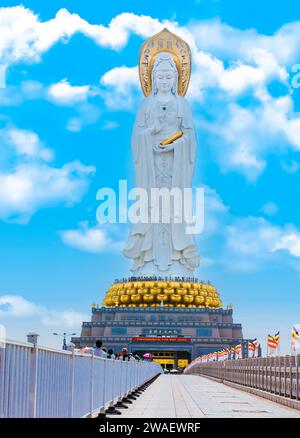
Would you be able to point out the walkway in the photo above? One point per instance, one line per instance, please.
(187, 396)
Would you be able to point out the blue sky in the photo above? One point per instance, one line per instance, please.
(66, 117)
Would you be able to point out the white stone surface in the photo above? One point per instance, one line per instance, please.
(163, 248)
(181, 396)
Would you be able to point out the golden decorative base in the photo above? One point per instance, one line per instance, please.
(162, 293)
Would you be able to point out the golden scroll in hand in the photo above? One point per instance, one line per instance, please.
(170, 139)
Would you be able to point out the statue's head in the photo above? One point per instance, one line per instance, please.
(164, 75)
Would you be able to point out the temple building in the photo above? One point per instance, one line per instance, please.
(175, 321)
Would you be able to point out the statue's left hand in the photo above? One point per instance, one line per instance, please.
(171, 146)
(167, 148)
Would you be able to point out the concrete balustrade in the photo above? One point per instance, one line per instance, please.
(40, 382)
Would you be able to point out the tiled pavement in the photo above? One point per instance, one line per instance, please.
(186, 396)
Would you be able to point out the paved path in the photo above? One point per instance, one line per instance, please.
(181, 396)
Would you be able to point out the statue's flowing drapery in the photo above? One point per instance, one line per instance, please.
(160, 246)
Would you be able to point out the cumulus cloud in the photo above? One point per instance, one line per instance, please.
(33, 37)
(63, 93)
(249, 134)
(248, 243)
(119, 87)
(31, 186)
(90, 239)
(251, 242)
(289, 241)
(228, 42)
(28, 182)
(215, 212)
(13, 95)
(60, 93)
(16, 306)
(270, 209)
(27, 143)
(250, 73)
(255, 241)
(86, 114)
(109, 125)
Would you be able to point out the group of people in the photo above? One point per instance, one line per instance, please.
(101, 351)
(156, 278)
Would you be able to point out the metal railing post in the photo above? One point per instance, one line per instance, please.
(91, 386)
(113, 382)
(33, 381)
(71, 386)
(121, 380)
(291, 377)
(102, 408)
(285, 384)
(297, 378)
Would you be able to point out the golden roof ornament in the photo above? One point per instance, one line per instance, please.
(165, 41)
(162, 294)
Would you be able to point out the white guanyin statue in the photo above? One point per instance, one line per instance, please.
(163, 249)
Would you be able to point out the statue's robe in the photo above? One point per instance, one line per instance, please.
(141, 242)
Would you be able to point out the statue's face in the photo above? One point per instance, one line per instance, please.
(164, 78)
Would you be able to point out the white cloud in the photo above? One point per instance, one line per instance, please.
(13, 95)
(109, 125)
(215, 211)
(248, 243)
(29, 182)
(119, 87)
(16, 306)
(32, 37)
(252, 72)
(27, 143)
(290, 166)
(67, 318)
(252, 236)
(32, 89)
(74, 124)
(63, 93)
(60, 93)
(270, 209)
(31, 186)
(237, 79)
(249, 134)
(254, 241)
(87, 114)
(290, 241)
(228, 42)
(94, 240)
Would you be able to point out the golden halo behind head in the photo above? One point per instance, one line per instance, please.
(165, 41)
